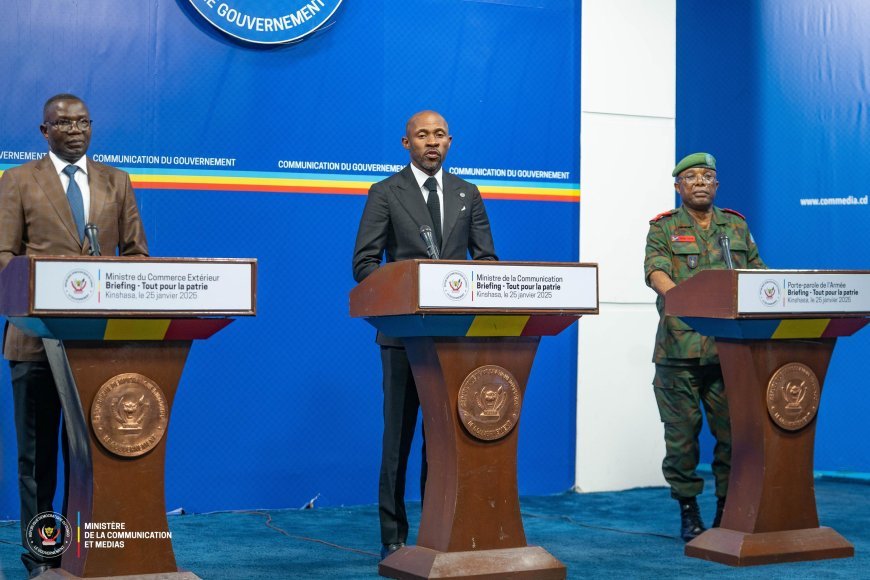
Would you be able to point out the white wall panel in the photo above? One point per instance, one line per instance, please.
(620, 441)
(628, 102)
(628, 57)
(625, 168)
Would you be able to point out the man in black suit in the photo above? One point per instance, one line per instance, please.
(395, 210)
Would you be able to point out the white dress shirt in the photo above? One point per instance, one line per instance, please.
(421, 181)
(81, 179)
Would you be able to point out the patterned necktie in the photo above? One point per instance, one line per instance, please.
(434, 205)
(76, 204)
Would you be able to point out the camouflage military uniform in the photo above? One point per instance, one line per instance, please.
(687, 365)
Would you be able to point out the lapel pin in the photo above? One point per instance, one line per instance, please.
(461, 194)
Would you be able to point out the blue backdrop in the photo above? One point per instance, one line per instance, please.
(777, 90)
(277, 409)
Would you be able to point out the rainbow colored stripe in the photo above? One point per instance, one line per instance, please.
(330, 184)
(325, 184)
(776, 328)
(121, 328)
(472, 325)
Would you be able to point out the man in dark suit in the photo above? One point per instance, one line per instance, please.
(44, 206)
(395, 210)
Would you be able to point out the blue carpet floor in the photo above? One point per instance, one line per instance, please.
(630, 534)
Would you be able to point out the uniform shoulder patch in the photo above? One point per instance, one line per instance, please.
(737, 213)
(663, 215)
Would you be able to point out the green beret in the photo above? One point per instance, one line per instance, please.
(695, 160)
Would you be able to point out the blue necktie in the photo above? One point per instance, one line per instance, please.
(76, 204)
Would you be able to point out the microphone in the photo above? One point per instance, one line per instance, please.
(93, 235)
(429, 240)
(726, 250)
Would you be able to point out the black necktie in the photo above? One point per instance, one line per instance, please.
(434, 206)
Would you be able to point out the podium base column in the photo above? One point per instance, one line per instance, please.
(528, 563)
(746, 549)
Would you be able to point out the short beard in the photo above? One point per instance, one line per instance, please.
(430, 166)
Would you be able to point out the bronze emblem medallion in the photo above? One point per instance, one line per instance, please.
(793, 396)
(489, 402)
(129, 415)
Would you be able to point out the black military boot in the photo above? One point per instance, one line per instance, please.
(691, 525)
(720, 507)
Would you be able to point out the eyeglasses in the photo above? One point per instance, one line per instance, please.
(707, 178)
(66, 125)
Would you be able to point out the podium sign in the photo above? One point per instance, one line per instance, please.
(805, 292)
(214, 286)
(495, 285)
(775, 333)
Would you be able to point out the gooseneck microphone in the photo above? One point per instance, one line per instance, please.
(429, 240)
(93, 235)
(725, 243)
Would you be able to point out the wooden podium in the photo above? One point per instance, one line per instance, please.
(117, 332)
(471, 330)
(775, 332)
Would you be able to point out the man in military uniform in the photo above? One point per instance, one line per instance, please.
(681, 243)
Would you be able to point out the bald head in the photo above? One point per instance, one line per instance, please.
(409, 126)
(428, 140)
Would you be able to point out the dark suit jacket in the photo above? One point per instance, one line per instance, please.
(36, 219)
(391, 222)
